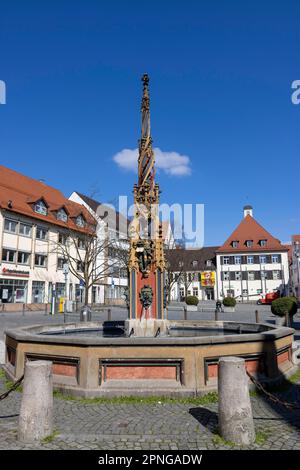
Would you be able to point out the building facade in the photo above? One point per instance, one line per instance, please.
(34, 220)
(114, 227)
(192, 272)
(251, 262)
(295, 267)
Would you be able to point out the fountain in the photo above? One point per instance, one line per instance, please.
(147, 354)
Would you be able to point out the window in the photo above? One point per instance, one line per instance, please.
(62, 239)
(208, 263)
(195, 292)
(262, 259)
(80, 267)
(10, 225)
(60, 263)
(80, 221)
(263, 242)
(25, 230)
(264, 275)
(251, 276)
(250, 259)
(62, 215)
(238, 275)
(8, 255)
(226, 276)
(41, 233)
(235, 244)
(226, 260)
(38, 289)
(195, 264)
(275, 259)
(23, 257)
(81, 243)
(237, 260)
(180, 264)
(40, 207)
(40, 260)
(249, 243)
(124, 273)
(276, 275)
(245, 291)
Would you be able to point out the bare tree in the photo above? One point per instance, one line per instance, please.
(91, 255)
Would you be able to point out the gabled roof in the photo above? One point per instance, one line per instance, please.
(18, 193)
(250, 229)
(182, 255)
(121, 222)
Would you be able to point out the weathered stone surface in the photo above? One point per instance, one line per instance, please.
(36, 414)
(235, 412)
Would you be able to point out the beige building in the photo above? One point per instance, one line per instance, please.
(34, 220)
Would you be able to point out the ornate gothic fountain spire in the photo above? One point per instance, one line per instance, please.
(146, 161)
(146, 260)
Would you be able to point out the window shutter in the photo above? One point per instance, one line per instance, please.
(232, 275)
(231, 259)
(256, 259)
(269, 259)
(279, 258)
(244, 275)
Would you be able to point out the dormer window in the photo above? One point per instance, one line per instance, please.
(40, 207)
(80, 222)
(62, 215)
(263, 242)
(208, 263)
(195, 264)
(235, 243)
(249, 243)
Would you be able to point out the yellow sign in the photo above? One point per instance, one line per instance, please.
(208, 278)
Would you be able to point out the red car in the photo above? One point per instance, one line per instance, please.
(268, 299)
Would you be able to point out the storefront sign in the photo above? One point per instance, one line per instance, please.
(14, 272)
(208, 278)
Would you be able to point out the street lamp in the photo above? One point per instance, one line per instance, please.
(66, 272)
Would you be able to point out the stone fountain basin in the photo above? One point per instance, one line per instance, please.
(88, 365)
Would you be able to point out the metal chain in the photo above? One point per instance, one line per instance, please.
(271, 396)
(15, 385)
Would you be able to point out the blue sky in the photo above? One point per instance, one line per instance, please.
(221, 75)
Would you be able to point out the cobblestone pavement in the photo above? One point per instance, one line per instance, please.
(170, 426)
(155, 426)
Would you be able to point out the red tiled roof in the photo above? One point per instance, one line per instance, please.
(250, 229)
(295, 238)
(18, 193)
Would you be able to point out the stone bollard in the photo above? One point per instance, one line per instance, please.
(235, 412)
(85, 314)
(36, 421)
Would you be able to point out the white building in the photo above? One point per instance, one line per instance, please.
(114, 226)
(34, 219)
(295, 266)
(251, 262)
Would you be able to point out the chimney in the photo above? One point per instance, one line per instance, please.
(248, 210)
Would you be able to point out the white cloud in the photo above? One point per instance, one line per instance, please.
(171, 163)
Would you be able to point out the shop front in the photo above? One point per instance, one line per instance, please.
(13, 290)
